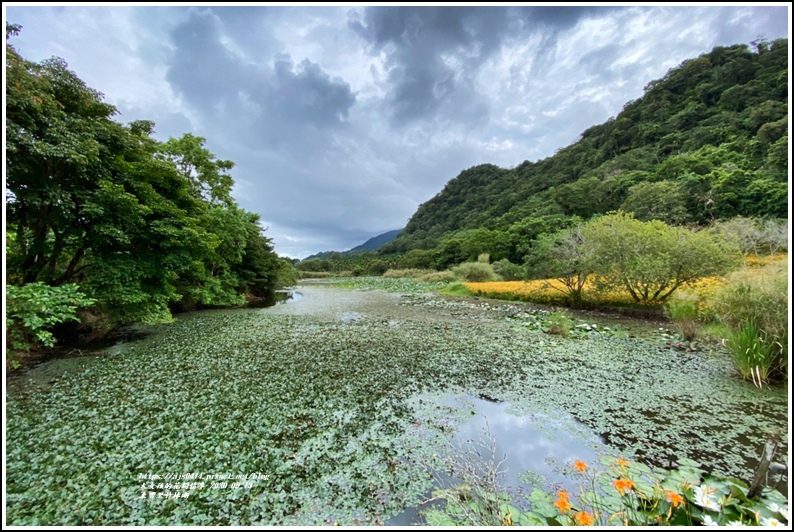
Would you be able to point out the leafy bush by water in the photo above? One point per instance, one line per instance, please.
(475, 272)
(754, 305)
(32, 310)
(509, 271)
(559, 324)
(439, 277)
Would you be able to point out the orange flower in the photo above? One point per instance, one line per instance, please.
(623, 485)
(580, 466)
(674, 498)
(623, 463)
(583, 519)
(562, 503)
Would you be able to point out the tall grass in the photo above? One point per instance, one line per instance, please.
(756, 356)
(754, 305)
(682, 308)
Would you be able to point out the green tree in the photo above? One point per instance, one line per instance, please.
(208, 176)
(652, 259)
(567, 256)
(141, 226)
(61, 149)
(660, 200)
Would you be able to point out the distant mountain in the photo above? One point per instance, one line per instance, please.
(377, 241)
(370, 245)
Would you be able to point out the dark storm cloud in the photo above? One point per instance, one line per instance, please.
(433, 52)
(274, 99)
(559, 17)
(201, 68)
(308, 94)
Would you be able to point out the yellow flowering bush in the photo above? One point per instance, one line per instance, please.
(553, 292)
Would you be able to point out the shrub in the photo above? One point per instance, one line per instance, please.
(508, 271)
(286, 274)
(439, 277)
(559, 324)
(567, 256)
(408, 272)
(652, 259)
(475, 272)
(33, 309)
(484, 258)
(754, 305)
(756, 356)
(682, 308)
(377, 267)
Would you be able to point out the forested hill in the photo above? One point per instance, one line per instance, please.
(708, 141)
(370, 245)
(377, 241)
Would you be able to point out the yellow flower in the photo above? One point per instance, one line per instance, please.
(623, 463)
(583, 519)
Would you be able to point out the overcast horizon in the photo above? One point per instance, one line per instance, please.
(342, 120)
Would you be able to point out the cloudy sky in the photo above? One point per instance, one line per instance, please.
(342, 120)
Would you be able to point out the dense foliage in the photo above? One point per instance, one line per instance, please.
(32, 309)
(142, 227)
(708, 141)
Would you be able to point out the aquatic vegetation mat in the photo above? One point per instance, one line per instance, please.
(272, 417)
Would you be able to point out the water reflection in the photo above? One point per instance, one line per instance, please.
(530, 450)
(279, 297)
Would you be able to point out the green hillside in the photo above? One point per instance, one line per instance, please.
(708, 141)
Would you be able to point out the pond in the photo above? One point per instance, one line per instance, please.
(524, 452)
(345, 406)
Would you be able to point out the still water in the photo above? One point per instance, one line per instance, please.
(497, 437)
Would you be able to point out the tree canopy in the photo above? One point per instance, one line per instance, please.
(142, 227)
